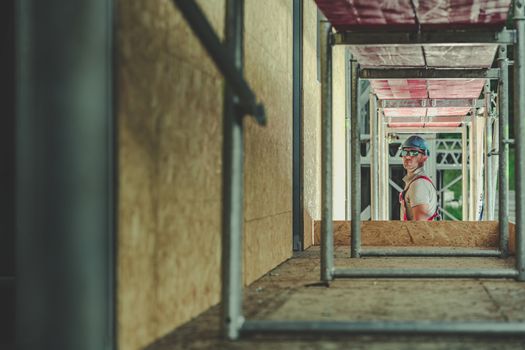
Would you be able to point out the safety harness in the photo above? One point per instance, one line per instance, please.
(402, 198)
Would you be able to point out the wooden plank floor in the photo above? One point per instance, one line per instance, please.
(291, 292)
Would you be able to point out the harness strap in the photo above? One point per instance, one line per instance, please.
(402, 198)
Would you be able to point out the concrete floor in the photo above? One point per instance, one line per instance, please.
(292, 292)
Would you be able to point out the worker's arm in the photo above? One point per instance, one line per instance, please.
(420, 212)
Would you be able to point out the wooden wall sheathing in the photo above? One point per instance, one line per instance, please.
(481, 234)
(169, 137)
(512, 237)
(170, 152)
(311, 114)
(268, 150)
(312, 119)
(308, 223)
(339, 114)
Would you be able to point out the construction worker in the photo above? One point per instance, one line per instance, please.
(419, 198)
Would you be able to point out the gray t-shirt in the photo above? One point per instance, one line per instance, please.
(420, 192)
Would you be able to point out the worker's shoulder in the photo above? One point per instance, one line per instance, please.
(422, 181)
(422, 177)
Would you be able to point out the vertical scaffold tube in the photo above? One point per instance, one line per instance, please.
(374, 173)
(355, 247)
(487, 157)
(464, 173)
(233, 184)
(519, 134)
(503, 178)
(348, 159)
(327, 233)
(473, 166)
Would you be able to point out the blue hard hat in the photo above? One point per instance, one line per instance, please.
(415, 141)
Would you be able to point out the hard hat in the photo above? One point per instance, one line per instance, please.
(415, 141)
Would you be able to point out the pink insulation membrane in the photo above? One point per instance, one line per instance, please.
(433, 14)
(397, 89)
(368, 14)
(404, 112)
(388, 56)
(468, 88)
(468, 56)
(435, 120)
(447, 111)
(399, 14)
(424, 125)
(428, 112)
(410, 56)
(391, 15)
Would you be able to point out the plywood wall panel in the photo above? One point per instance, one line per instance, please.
(311, 113)
(263, 249)
(418, 233)
(169, 105)
(268, 156)
(308, 223)
(512, 237)
(170, 149)
(338, 133)
(136, 304)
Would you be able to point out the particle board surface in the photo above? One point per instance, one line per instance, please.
(268, 150)
(169, 151)
(308, 232)
(412, 233)
(311, 113)
(339, 113)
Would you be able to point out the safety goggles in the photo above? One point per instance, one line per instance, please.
(410, 152)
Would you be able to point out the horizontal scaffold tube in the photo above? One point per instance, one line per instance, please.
(431, 251)
(424, 273)
(492, 328)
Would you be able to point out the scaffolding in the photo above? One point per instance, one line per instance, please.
(239, 100)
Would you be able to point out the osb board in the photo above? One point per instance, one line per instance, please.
(417, 233)
(268, 150)
(265, 245)
(308, 230)
(169, 115)
(512, 237)
(311, 113)
(338, 132)
(170, 146)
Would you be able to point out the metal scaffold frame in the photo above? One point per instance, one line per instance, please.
(469, 132)
(239, 100)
